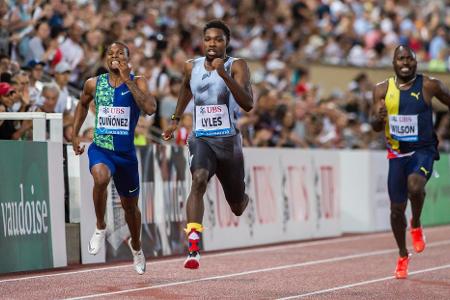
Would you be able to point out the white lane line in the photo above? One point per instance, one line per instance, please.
(264, 248)
(342, 287)
(284, 267)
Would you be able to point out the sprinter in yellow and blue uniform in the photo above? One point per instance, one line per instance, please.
(402, 108)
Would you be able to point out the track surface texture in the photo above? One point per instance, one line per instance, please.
(351, 267)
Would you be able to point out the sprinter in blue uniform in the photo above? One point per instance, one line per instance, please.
(220, 86)
(119, 97)
(402, 108)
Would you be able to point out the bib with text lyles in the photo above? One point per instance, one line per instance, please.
(212, 120)
(113, 120)
(404, 128)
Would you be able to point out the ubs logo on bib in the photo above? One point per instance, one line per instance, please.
(210, 110)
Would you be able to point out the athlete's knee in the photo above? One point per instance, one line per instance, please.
(416, 186)
(101, 180)
(398, 211)
(200, 181)
(238, 208)
(129, 205)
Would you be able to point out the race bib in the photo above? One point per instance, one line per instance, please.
(404, 128)
(113, 120)
(212, 120)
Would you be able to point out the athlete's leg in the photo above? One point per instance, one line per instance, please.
(133, 219)
(194, 206)
(126, 180)
(416, 192)
(231, 174)
(398, 225)
(419, 171)
(202, 165)
(102, 168)
(102, 175)
(397, 188)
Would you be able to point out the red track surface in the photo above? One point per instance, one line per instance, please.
(356, 267)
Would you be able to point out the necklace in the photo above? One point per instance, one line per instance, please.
(400, 85)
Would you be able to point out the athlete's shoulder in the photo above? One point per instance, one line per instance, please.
(189, 65)
(90, 84)
(430, 82)
(382, 85)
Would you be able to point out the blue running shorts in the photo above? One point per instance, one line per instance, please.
(421, 162)
(123, 167)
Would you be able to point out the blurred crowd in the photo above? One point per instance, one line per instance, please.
(49, 48)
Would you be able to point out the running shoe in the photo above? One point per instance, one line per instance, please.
(401, 272)
(418, 238)
(193, 260)
(97, 241)
(139, 262)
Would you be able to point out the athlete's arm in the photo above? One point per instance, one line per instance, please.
(139, 90)
(81, 111)
(184, 97)
(435, 88)
(239, 83)
(379, 112)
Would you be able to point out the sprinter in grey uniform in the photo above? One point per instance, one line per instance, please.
(220, 86)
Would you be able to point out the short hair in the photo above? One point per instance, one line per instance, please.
(406, 47)
(50, 87)
(127, 50)
(219, 24)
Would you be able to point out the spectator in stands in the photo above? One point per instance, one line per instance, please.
(48, 100)
(36, 69)
(62, 74)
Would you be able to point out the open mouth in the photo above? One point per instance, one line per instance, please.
(212, 52)
(405, 69)
(115, 63)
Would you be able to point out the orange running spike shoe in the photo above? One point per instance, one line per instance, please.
(418, 239)
(401, 272)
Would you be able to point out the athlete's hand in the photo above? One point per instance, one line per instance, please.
(382, 111)
(124, 70)
(168, 133)
(76, 145)
(218, 65)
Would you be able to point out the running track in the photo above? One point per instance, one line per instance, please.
(354, 267)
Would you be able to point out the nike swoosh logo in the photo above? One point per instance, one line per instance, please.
(124, 93)
(132, 191)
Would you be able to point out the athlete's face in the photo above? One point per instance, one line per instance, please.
(405, 64)
(115, 55)
(214, 43)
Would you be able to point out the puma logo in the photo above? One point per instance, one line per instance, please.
(424, 171)
(415, 95)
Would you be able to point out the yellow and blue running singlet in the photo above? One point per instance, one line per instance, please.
(409, 124)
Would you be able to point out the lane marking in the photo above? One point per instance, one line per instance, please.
(283, 267)
(264, 248)
(342, 287)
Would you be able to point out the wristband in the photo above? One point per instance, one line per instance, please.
(175, 118)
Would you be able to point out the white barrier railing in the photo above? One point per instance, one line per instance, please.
(40, 124)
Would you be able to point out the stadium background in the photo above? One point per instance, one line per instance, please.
(313, 63)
